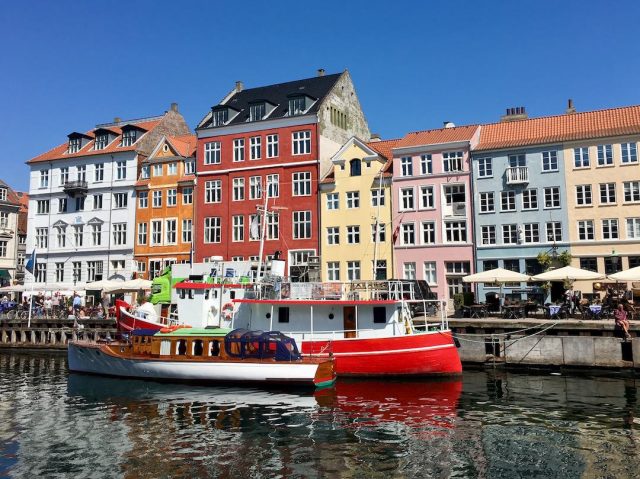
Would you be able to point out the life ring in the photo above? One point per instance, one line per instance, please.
(227, 311)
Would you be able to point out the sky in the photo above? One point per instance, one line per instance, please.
(67, 66)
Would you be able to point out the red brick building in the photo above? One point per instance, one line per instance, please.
(276, 141)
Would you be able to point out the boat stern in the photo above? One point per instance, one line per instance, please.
(325, 374)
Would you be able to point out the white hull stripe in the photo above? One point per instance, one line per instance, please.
(389, 351)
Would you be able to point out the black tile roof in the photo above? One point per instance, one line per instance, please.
(316, 88)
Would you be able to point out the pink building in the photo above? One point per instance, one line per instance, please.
(432, 208)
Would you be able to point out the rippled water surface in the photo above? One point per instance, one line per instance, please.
(489, 424)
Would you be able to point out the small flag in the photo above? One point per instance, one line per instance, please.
(31, 263)
(396, 233)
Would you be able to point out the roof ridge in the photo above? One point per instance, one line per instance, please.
(133, 120)
(443, 128)
(287, 82)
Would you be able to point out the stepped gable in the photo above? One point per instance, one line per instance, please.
(560, 128)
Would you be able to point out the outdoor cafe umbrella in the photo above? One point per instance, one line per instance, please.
(568, 273)
(125, 286)
(632, 274)
(102, 284)
(497, 275)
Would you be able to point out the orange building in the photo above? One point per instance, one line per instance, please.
(164, 206)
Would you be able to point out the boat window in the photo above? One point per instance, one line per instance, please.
(232, 294)
(197, 347)
(165, 347)
(215, 293)
(190, 294)
(182, 347)
(215, 348)
(379, 314)
(283, 314)
(183, 293)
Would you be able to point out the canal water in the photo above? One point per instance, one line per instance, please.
(488, 424)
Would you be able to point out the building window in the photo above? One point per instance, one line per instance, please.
(172, 197)
(187, 195)
(353, 234)
(406, 166)
(554, 231)
(213, 191)
(142, 233)
(82, 173)
(3, 194)
(459, 267)
(629, 153)
(238, 149)
(607, 193)
(488, 233)
(143, 199)
(189, 167)
(509, 234)
(212, 153)
(586, 230)
(4, 219)
(297, 105)
(238, 189)
(157, 199)
(119, 234)
(61, 236)
(42, 237)
(355, 167)
(634, 261)
(454, 194)
(302, 183)
(427, 198)
(64, 175)
(77, 271)
(255, 188)
(531, 233)
(273, 186)
(379, 274)
(272, 146)
(171, 231)
(381, 230)
(605, 155)
(409, 270)
(552, 197)
(172, 169)
(452, 161)
(430, 272)
(94, 269)
(301, 142)
(238, 228)
(257, 111)
(631, 191)
(377, 197)
(255, 147)
(74, 145)
(408, 231)
(301, 224)
(101, 142)
(273, 230)
(187, 228)
(610, 229)
(157, 170)
(633, 228)
(508, 200)
(333, 271)
(78, 235)
(455, 231)
(530, 199)
(128, 137)
(550, 160)
(353, 270)
(156, 232)
(96, 234)
(428, 232)
(516, 161)
(99, 172)
(97, 202)
(120, 200)
(332, 201)
(41, 272)
(44, 178)
(220, 117)
(121, 170)
(406, 199)
(333, 235)
(43, 207)
(583, 195)
(487, 204)
(485, 167)
(80, 203)
(353, 199)
(426, 165)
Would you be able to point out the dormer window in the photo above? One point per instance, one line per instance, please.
(355, 167)
(220, 117)
(101, 142)
(297, 105)
(257, 111)
(128, 137)
(3, 194)
(74, 145)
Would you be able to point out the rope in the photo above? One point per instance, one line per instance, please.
(512, 332)
(505, 334)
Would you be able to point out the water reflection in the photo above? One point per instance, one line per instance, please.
(492, 424)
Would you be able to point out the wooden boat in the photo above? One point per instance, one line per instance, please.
(207, 355)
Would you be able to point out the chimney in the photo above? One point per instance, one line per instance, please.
(117, 120)
(239, 86)
(570, 108)
(320, 72)
(515, 113)
(375, 137)
(448, 124)
(174, 107)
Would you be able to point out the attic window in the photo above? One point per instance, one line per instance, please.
(220, 117)
(3, 194)
(128, 137)
(165, 148)
(297, 105)
(74, 145)
(101, 142)
(257, 111)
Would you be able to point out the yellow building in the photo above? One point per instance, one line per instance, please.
(355, 201)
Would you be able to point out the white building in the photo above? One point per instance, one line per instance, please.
(82, 200)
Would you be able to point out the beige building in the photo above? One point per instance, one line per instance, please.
(355, 199)
(9, 211)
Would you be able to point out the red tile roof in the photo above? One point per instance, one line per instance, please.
(384, 148)
(185, 144)
(12, 196)
(436, 137)
(559, 128)
(60, 151)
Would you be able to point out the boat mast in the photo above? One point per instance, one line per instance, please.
(263, 222)
(377, 225)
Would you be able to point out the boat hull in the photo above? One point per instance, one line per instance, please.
(419, 354)
(94, 358)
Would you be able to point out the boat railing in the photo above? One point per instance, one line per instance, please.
(427, 314)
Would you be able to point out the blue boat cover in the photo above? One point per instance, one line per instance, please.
(242, 343)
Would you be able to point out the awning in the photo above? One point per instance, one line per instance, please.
(4, 274)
